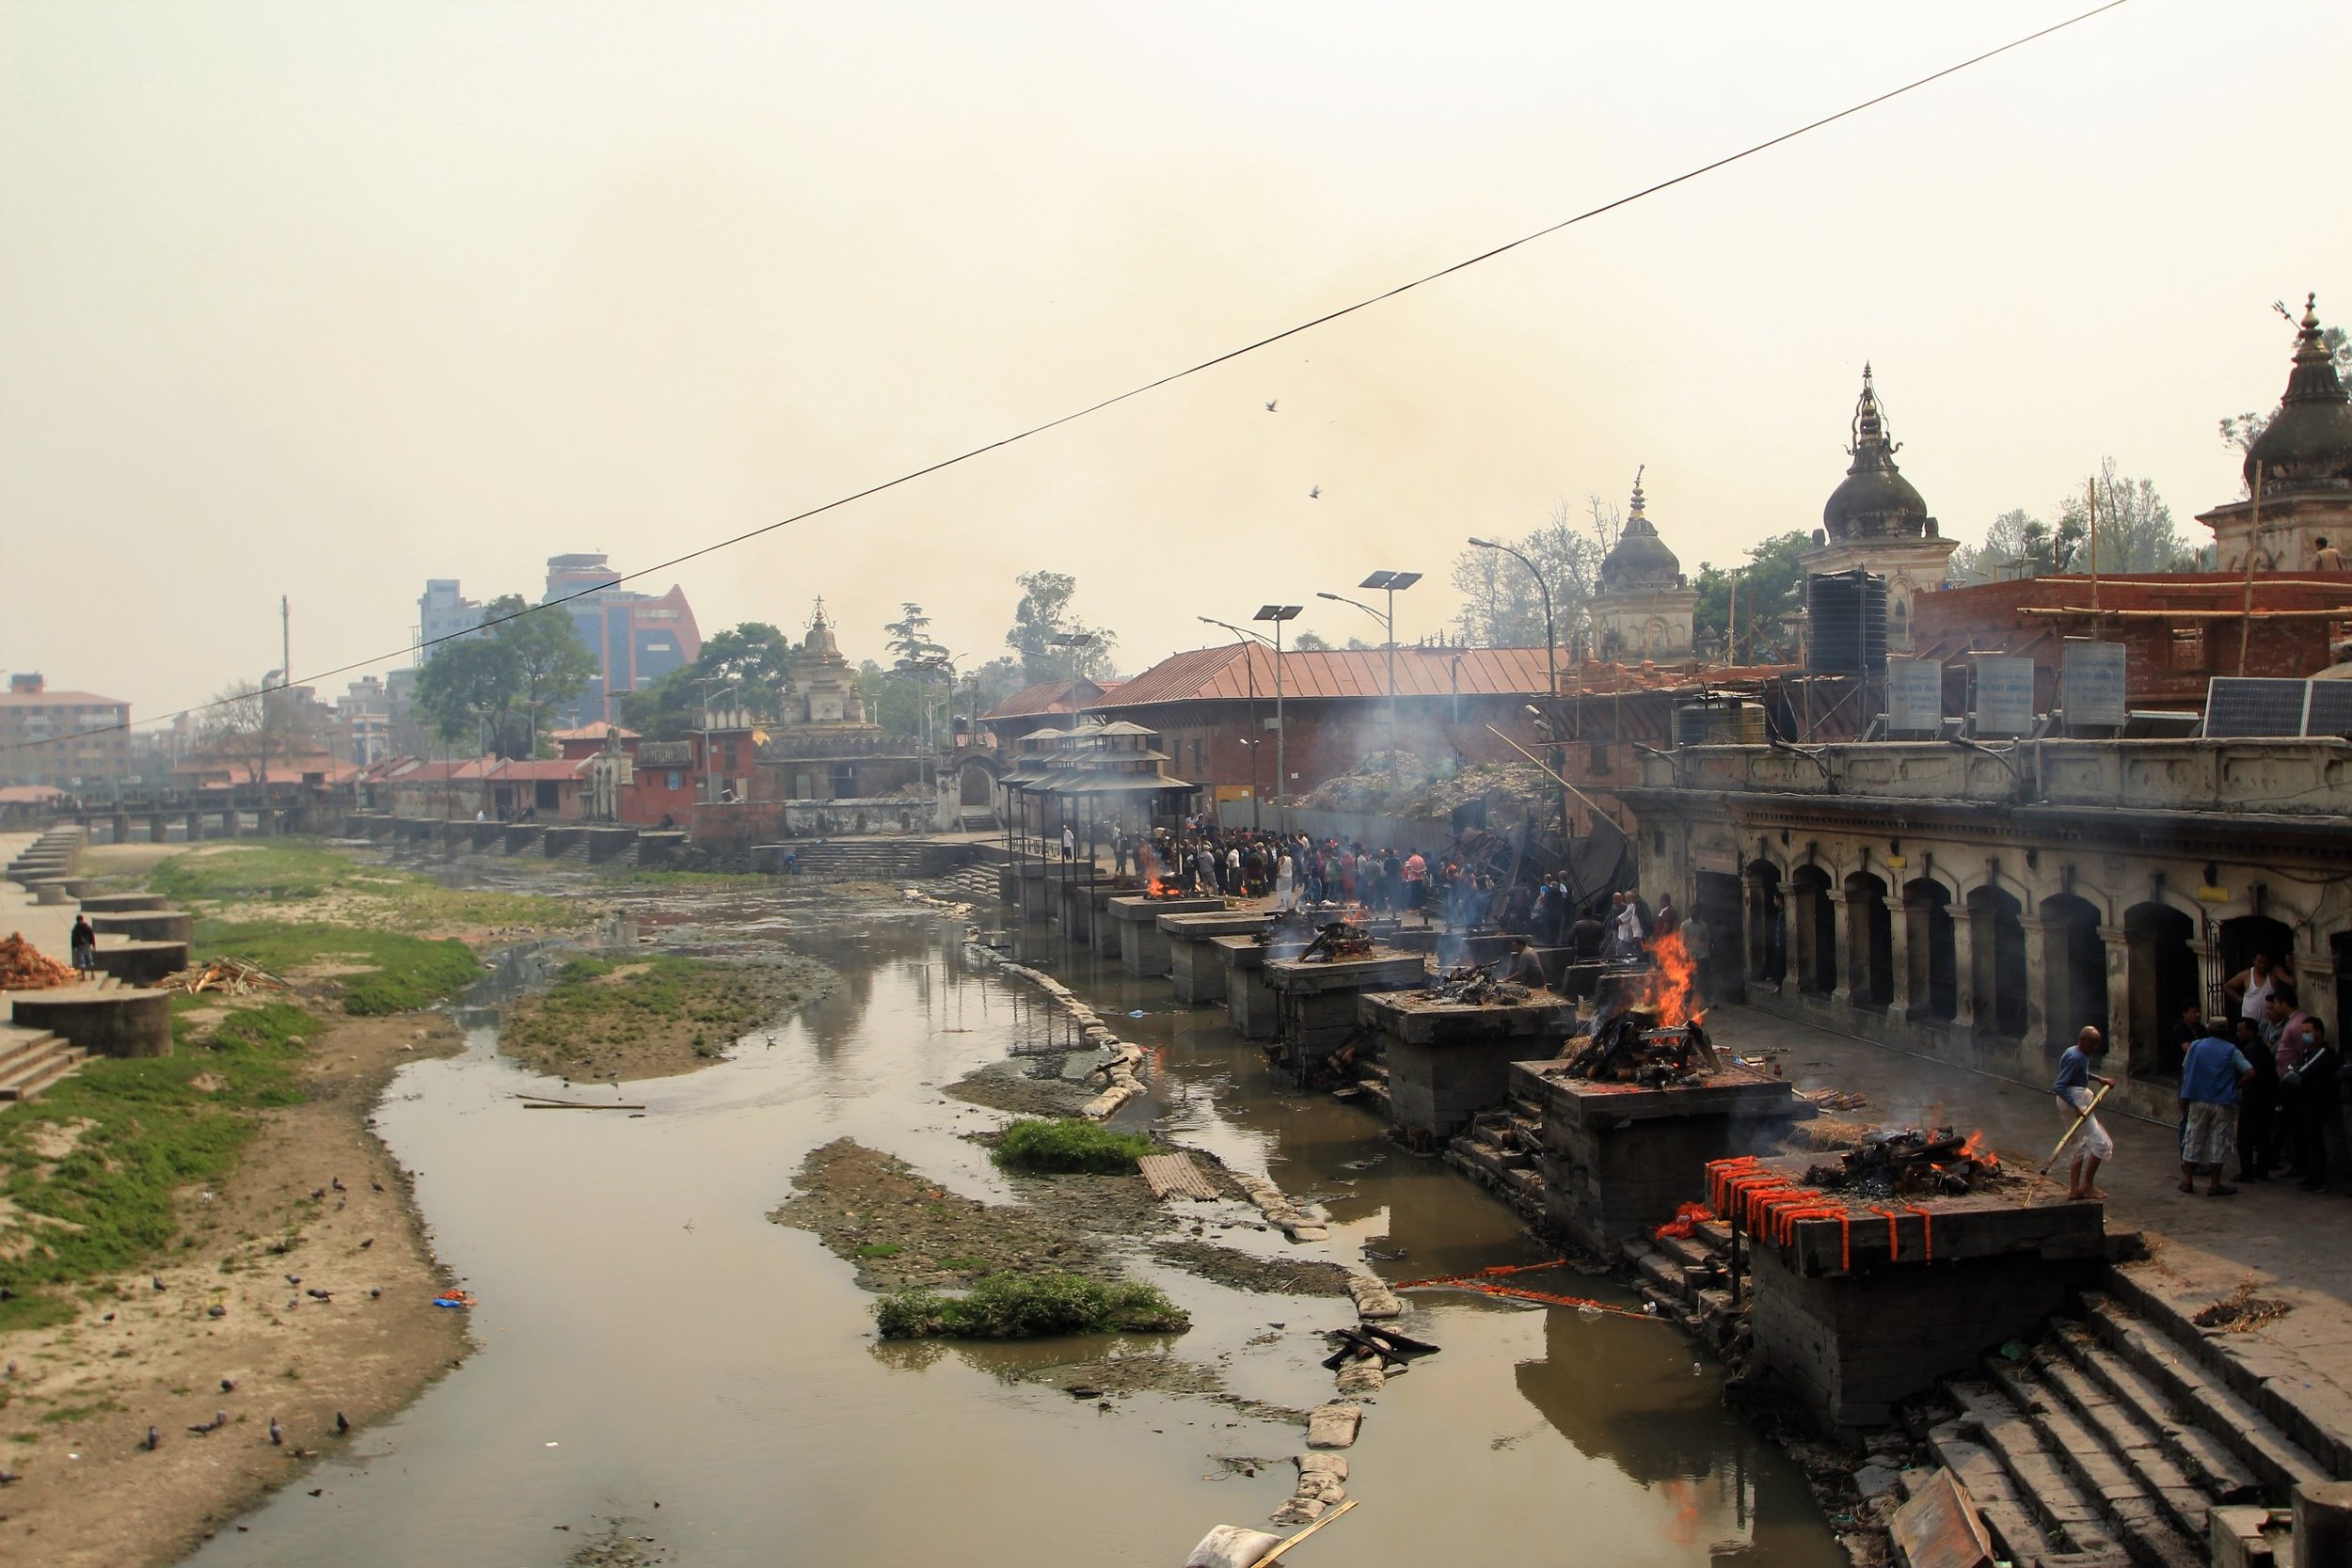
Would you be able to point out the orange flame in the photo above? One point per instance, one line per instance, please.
(1148, 864)
(1975, 1147)
(1673, 982)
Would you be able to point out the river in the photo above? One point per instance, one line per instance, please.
(653, 1349)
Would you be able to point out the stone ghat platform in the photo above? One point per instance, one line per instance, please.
(1196, 965)
(1315, 1006)
(146, 925)
(124, 903)
(1143, 946)
(1861, 1302)
(105, 1020)
(1448, 1061)
(1618, 1158)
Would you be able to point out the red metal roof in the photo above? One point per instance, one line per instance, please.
(1226, 674)
(1050, 697)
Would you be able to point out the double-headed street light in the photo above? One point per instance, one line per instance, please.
(1250, 661)
(1278, 614)
(1391, 582)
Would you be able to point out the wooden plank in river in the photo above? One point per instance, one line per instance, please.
(1175, 1176)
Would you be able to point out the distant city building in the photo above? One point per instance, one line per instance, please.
(442, 611)
(72, 740)
(636, 638)
(364, 721)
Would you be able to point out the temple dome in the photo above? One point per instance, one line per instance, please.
(1640, 559)
(1875, 501)
(2308, 443)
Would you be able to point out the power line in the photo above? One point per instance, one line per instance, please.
(1309, 324)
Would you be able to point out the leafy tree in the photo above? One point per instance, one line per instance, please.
(251, 728)
(1043, 614)
(1772, 597)
(2004, 552)
(1310, 641)
(754, 656)
(2136, 528)
(895, 698)
(1502, 607)
(498, 689)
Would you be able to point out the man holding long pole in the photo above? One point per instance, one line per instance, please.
(2073, 1088)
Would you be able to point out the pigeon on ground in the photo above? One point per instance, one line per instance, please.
(108, 1319)
(154, 1438)
(343, 1425)
(205, 1429)
(369, 1242)
(159, 1283)
(9, 1477)
(318, 1194)
(317, 1294)
(337, 1182)
(228, 1384)
(377, 1185)
(293, 1280)
(377, 1294)
(277, 1433)
(216, 1310)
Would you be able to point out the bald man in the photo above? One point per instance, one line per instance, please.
(2092, 1147)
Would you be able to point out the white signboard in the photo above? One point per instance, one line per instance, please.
(2003, 695)
(2093, 690)
(1914, 695)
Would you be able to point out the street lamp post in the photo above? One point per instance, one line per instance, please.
(1391, 582)
(1249, 661)
(710, 779)
(1551, 669)
(1278, 614)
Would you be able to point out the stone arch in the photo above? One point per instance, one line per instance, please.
(1931, 950)
(2074, 968)
(1813, 937)
(1997, 962)
(1767, 923)
(975, 780)
(2160, 979)
(1870, 942)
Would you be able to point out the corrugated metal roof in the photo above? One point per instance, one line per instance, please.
(1226, 674)
(1050, 697)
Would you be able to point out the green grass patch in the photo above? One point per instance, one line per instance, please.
(67, 1413)
(297, 872)
(106, 1149)
(400, 973)
(1030, 1306)
(880, 1249)
(704, 1004)
(1069, 1145)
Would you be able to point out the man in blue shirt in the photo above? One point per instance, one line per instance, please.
(2074, 1098)
(2212, 1073)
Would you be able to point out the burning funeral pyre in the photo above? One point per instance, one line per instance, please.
(1337, 942)
(1911, 1161)
(1645, 1029)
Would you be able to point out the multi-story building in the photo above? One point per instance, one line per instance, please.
(443, 613)
(636, 638)
(364, 722)
(72, 740)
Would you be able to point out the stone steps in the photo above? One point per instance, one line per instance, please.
(2068, 1517)
(2147, 1506)
(31, 1060)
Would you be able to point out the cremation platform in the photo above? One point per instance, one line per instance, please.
(1142, 946)
(1863, 1300)
(1447, 1061)
(1619, 1158)
(1315, 1004)
(1196, 965)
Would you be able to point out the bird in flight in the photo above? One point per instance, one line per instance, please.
(1316, 494)
(1270, 403)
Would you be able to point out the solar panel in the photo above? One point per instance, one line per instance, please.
(2244, 706)
(2331, 708)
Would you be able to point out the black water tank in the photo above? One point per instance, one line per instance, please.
(1719, 722)
(1845, 622)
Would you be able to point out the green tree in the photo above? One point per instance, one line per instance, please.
(755, 657)
(895, 698)
(1311, 641)
(1501, 606)
(500, 689)
(2003, 554)
(1044, 615)
(1771, 594)
(2135, 529)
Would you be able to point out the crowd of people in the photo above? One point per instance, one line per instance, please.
(2260, 1087)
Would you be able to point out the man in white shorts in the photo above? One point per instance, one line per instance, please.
(2092, 1147)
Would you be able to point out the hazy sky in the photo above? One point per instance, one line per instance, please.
(325, 299)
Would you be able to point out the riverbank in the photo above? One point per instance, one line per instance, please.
(84, 1394)
(652, 1017)
(218, 1233)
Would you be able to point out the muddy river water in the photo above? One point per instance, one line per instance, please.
(653, 1349)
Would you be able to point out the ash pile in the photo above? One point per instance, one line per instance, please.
(1633, 1047)
(1335, 942)
(1470, 986)
(1911, 1161)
